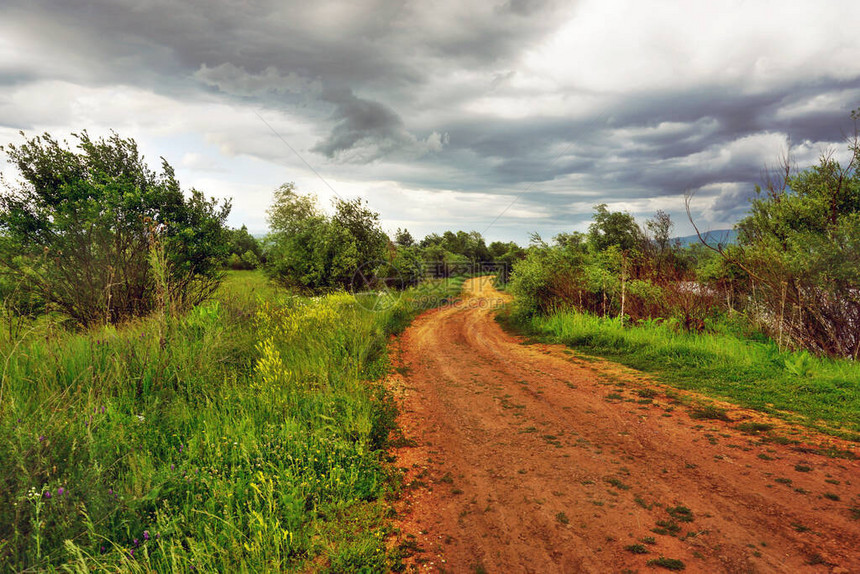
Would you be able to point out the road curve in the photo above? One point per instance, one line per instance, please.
(526, 458)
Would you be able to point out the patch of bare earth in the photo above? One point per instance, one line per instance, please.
(525, 458)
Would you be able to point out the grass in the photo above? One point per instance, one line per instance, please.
(751, 373)
(247, 435)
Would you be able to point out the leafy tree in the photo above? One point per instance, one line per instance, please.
(614, 228)
(79, 228)
(403, 238)
(244, 249)
(312, 251)
(575, 241)
(362, 228)
(801, 246)
(661, 230)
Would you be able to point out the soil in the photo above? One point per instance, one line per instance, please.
(524, 457)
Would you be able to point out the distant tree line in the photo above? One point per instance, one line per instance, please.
(310, 250)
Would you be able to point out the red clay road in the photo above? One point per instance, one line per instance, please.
(528, 458)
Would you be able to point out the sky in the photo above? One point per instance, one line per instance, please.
(505, 117)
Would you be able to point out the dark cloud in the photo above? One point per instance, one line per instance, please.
(441, 96)
(362, 123)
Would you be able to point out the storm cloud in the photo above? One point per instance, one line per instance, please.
(443, 114)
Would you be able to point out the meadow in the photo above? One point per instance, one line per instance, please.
(726, 360)
(246, 435)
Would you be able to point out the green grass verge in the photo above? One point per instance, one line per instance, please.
(248, 435)
(755, 374)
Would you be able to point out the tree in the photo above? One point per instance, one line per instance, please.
(801, 245)
(244, 250)
(614, 228)
(661, 230)
(403, 238)
(311, 251)
(79, 229)
(800, 250)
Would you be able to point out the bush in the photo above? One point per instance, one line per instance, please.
(801, 246)
(78, 232)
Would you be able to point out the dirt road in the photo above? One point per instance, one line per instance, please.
(527, 458)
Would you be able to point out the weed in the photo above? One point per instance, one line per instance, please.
(831, 496)
(231, 438)
(815, 559)
(786, 481)
(710, 412)
(616, 483)
(614, 397)
(666, 528)
(636, 549)
(680, 513)
(649, 540)
(800, 527)
(753, 427)
(562, 518)
(802, 468)
(667, 563)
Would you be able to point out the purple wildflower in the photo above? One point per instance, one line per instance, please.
(171, 467)
(48, 494)
(146, 534)
(41, 438)
(136, 542)
(110, 491)
(103, 409)
(61, 491)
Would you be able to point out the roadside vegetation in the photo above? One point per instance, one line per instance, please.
(163, 404)
(771, 321)
(722, 362)
(248, 434)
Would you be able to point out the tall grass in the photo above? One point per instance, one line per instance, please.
(753, 373)
(247, 435)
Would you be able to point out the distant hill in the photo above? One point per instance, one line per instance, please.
(723, 236)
